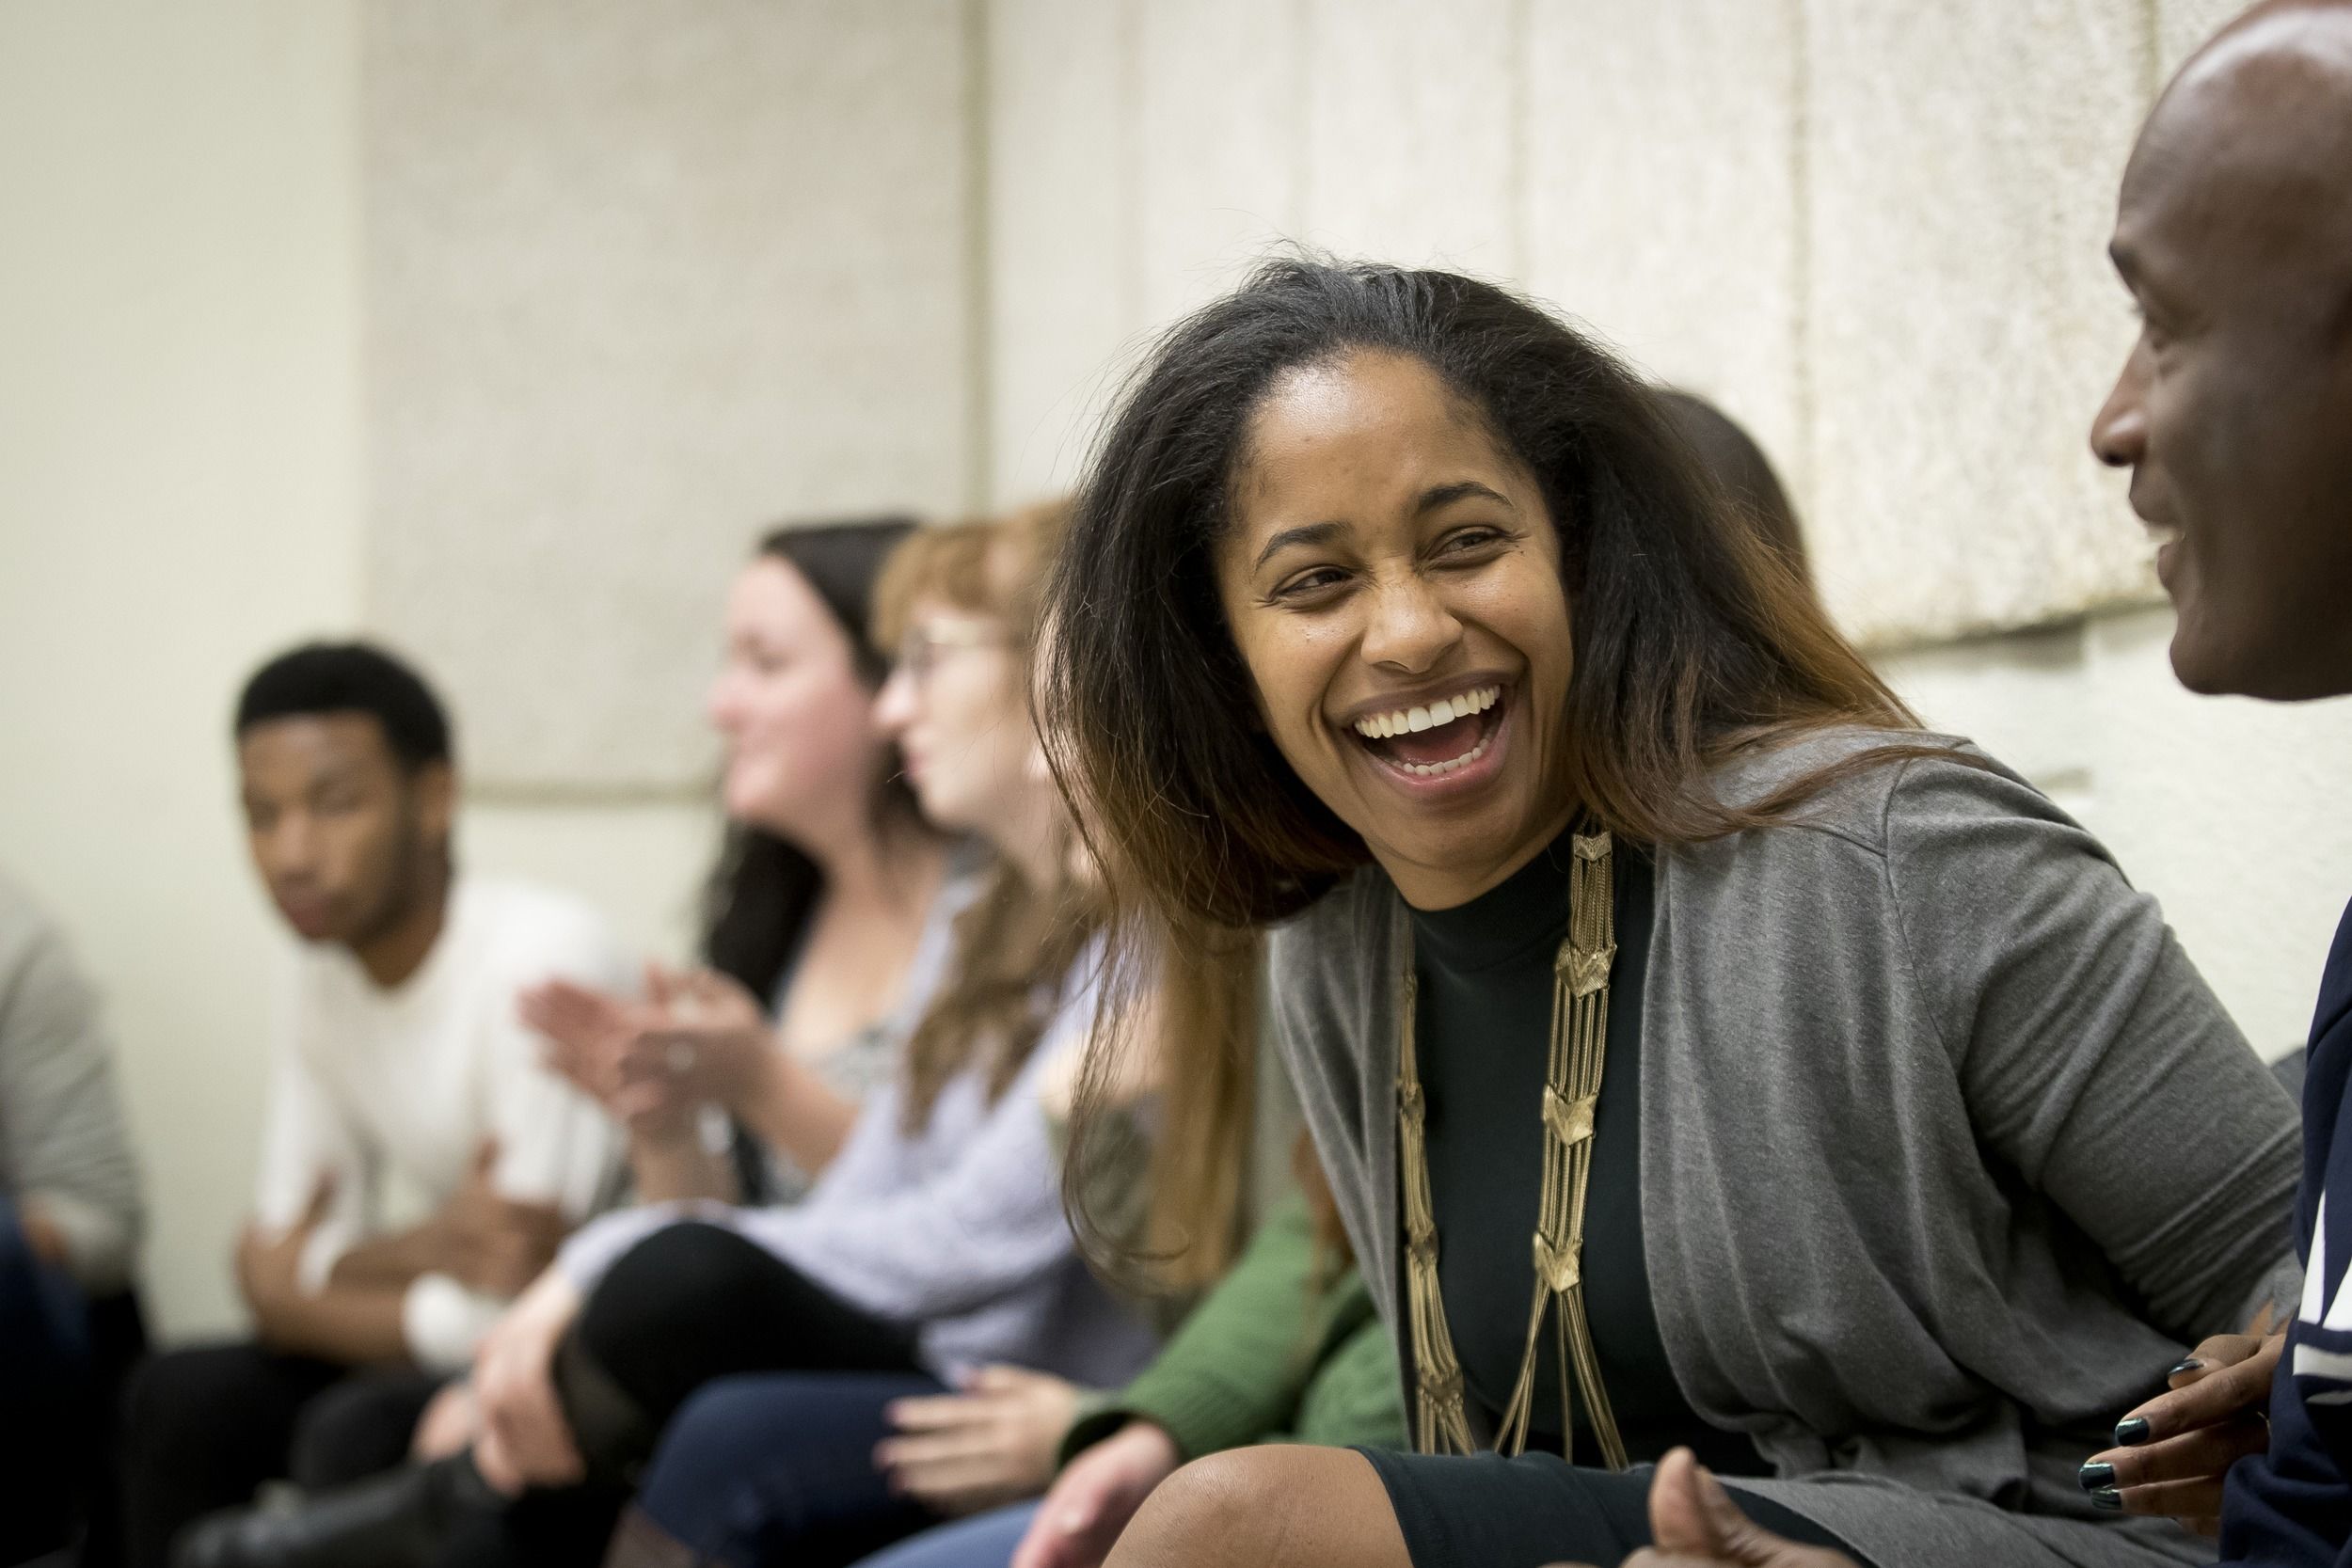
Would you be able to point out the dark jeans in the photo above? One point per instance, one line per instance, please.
(204, 1427)
(690, 1303)
(779, 1467)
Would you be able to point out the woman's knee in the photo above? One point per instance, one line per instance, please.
(1272, 1507)
(674, 1275)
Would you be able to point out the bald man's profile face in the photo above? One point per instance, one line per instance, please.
(2234, 410)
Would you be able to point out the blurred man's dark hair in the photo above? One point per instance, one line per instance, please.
(319, 678)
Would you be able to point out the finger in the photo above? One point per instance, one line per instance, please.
(933, 1412)
(2263, 1320)
(2211, 1356)
(322, 1195)
(1735, 1535)
(490, 1457)
(660, 984)
(2205, 1451)
(953, 1448)
(994, 1378)
(2171, 1500)
(1679, 1518)
(2209, 1527)
(485, 1158)
(2218, 1396)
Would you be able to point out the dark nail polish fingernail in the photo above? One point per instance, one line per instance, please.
(2191, 1365)
(2093, 1477)
(2132, 1433)
(2109, 1499)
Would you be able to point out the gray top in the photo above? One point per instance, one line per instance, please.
(62, 1138)
(1946, 1151)
(955, 1229)
(861, 1066)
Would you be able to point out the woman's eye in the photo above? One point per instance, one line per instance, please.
(1310, 582)
(1470, 540)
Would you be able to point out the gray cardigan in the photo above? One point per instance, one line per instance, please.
(1946, 1151)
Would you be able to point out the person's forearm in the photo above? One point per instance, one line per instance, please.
(671, 1167)
(391, 1263)
(792, 1109)
(351, 1324)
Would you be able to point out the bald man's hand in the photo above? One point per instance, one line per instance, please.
(1697, 1525)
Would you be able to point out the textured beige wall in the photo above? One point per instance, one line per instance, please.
(180, 493)
(643, 276)
(1961, 167)
(1873, 231)
(1680, 241)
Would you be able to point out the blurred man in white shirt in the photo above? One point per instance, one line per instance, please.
(419, 1165)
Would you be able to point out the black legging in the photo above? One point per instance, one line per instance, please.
(690, 1303)
(1483, 1510)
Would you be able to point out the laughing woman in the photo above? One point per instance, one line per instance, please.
(1874, 1138)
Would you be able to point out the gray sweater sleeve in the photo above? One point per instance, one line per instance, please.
(2085, 1043)
(62, 1139)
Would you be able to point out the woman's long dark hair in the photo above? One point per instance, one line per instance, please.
(757, 900)
(1691, 637)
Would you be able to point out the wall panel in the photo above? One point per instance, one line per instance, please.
(1962, 325)
(644, 275)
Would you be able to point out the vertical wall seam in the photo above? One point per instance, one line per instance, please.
(979, 337)
(1129, 163)
(1519, 90)
(1302, 120)
(1800, 315)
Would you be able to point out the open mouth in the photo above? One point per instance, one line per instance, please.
(1444, 737)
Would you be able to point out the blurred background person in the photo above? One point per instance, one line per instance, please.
(405, 1079)
(71, 1219)
(829, 899)
(934, 1240)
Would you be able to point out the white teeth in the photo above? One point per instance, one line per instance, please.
(1444, 711)
(1432, 769)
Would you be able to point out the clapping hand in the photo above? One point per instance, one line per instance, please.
(705, 1040)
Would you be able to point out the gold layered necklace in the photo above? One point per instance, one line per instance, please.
(1580, 1045)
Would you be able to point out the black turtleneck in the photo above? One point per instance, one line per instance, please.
(1484, 1026)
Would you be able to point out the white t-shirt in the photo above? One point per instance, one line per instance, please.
(394, 1090)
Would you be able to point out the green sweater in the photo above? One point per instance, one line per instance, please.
(1267, 1357)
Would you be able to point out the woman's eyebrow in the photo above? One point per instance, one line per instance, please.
(1446, 495)
(1309, 534)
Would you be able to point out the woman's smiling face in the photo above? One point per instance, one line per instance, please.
(1392, 578)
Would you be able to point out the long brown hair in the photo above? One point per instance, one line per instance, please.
(1693, 640)
(1019, 944)
(758, 902)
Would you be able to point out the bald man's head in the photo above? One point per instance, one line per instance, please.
(2235, 411)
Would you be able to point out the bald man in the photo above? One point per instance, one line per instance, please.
(2235, 415)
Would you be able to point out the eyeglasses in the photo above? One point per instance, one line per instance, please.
(921, 648)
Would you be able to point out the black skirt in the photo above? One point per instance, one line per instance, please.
(1483, 1511)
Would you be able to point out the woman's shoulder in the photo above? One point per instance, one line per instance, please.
(1874, 787)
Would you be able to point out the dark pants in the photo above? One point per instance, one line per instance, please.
(779, 1467)
(204, 1427)
(689, 1304)
(44, 1343)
